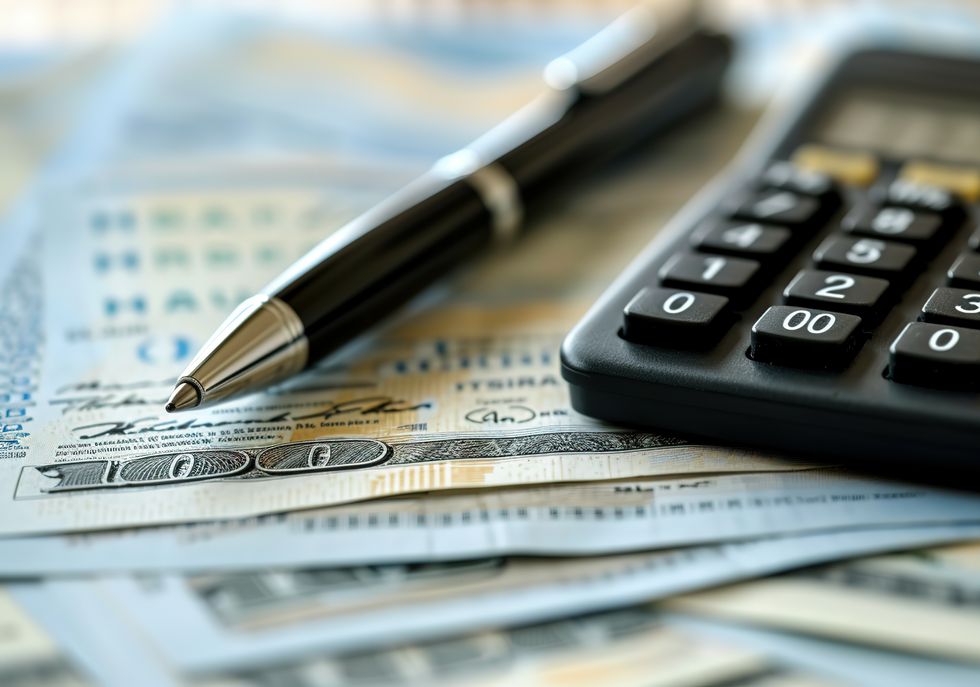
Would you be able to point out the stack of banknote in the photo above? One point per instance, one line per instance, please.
(423, 508)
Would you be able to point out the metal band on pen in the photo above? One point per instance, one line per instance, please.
(496, 187)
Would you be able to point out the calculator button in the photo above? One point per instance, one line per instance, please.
(789, 177)
(936, 355)
(840, 292)
(803, 337)
(922, 197)
(711, 273)
(849, 167)
(868, 256)
(965, 272)
(964, 181)
(953, 306)
(743, 238)
(975, 240)
(899, 223)
(671, 316)
(779, 207)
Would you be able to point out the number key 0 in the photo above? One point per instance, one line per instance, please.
(803, 337)
(671, 316)
(936, 355)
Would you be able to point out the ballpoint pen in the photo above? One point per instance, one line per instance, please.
(643, 73)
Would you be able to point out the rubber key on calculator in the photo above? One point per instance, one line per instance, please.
(965, 272)
(849, 293)
(898, 223)
(868, 256)
(774, 206)
(711, 273)
(953, 306)
(746, 239)
(936, 355)
(673, 317)
(803, 337)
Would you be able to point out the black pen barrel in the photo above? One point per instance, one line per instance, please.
(383, 258)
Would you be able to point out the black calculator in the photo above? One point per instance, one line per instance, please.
(823, 296)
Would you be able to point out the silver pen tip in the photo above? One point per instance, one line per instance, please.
(184, 396)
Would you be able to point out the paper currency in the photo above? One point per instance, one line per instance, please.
(574, 519)
(433, 401)
(28, 656)
(212, 622)
(923, 602)
(851, 664)
(617, 648)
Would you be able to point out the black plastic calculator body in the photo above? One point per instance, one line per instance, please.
(822, 297)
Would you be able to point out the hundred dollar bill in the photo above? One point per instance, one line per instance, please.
(572, 519)
(462, 391)
(207, 623)
(922, 602)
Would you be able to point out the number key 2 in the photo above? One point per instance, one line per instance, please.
(936, 355)
(841, 292)
(802, 337)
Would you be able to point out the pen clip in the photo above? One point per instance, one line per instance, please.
(623, 48)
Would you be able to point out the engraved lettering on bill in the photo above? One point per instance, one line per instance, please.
(170, 469)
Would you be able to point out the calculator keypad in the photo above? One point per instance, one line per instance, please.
(888, 233)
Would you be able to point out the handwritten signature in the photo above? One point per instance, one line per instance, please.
(372, 405)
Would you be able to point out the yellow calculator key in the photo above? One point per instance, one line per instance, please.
(964, 181)
(849, 167)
